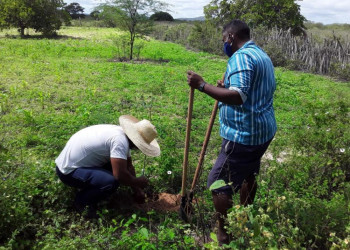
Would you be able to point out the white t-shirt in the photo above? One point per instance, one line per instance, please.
(93, 147)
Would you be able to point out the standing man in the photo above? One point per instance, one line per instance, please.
(247, 119)
(82, 162)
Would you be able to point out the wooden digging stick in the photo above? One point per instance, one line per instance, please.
(187, 143)
(204, 148)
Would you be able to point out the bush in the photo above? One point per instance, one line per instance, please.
(288, 222)
(205, 37)
(341, 71)
(276, 55)
(177, 33)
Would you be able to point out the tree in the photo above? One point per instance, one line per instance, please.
(48, 16)
(95, 14)
(132, 16)
(75, 10)
(109, 15)
(162, 16)
(42, 15)
(284, 14)
(15, 13)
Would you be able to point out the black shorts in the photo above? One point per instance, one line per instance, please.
(235, 163)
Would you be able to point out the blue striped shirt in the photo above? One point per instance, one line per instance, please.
(249, 72)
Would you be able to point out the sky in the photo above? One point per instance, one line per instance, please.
(321, 11)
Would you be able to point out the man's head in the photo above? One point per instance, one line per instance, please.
(141, 134)
(235, 34)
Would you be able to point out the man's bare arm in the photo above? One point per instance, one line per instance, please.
(218, 93)
(122, 173)
(131, 166)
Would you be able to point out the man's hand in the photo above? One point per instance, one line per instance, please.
(194, 80)
(139, 196)
(142, 182)
(220, 84)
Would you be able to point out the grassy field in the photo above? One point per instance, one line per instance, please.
(49, 89)
(328, 31)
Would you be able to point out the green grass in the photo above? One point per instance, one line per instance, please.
(49, 89)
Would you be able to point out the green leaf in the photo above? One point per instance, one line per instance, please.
(256, 228)
(143, 219)
(217, 184)
(213, 237)
(251, 217)
(144, 232)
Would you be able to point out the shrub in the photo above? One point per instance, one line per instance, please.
(340, 70)
(276, 55)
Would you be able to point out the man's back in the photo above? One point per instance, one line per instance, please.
(251, 73)
(92, 147)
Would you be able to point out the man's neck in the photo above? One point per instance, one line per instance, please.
(240, 44)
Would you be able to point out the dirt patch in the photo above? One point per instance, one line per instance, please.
(282, 157)
(162, 202)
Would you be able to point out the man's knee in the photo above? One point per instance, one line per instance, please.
(101, 179)
(109, 184)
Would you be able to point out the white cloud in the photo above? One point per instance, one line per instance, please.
(324, 11)
(187, 8)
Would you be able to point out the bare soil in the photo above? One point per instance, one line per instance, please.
(162, 202)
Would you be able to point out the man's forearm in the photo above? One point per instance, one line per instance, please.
(223, 95)
(128, 179)
(132, 171)
(122, 173)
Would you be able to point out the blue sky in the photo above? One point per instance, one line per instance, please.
(323, 11)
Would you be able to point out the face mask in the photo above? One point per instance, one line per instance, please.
(228, 49)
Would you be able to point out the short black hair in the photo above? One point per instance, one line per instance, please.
(239, 28)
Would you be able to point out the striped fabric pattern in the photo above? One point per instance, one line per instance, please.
(249, 72)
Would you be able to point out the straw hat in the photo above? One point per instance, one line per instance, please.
(142, 133)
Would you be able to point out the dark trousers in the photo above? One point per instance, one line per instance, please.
(94, 184)
(235, 163)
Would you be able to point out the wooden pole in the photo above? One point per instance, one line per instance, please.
(187, 142)
(204, 147)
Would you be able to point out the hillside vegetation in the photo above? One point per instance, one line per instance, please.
(49, 89)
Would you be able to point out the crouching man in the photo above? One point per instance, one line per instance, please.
(82, 162)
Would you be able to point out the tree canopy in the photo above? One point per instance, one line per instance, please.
(162, 16)
(95, 14)
(75, 10)
(284, 14)
(42, 15)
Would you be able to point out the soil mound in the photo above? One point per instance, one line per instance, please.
(162, 202)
